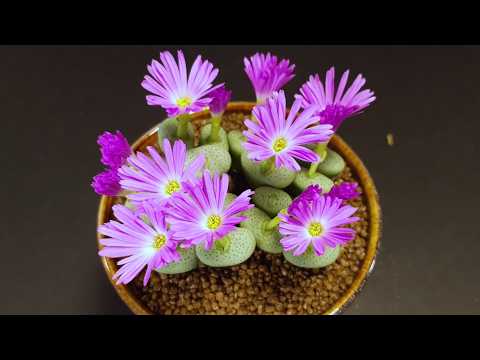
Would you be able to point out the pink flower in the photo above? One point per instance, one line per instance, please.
(156, 178)
(318, 223)
(107, 183)
(139, 243)
(332, 107)
(283, 137)
(267, 75)
(199, 216)
(173, 90)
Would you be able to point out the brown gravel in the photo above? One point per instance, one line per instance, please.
(264, 284)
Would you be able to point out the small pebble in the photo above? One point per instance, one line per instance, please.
(390, 139)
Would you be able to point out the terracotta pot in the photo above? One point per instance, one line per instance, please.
(337, 144)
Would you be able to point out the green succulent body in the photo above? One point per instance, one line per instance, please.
(237, 248)
(205, 134)
(303, 180)
(168, 129)
(333, 164)
(236, 140)
(267, 240)
(271, 200)
(217, 158)
(188, 262)
(279, 177)
(310, 260)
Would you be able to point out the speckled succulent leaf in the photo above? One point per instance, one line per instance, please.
(217, 157)
(168, 130)
(235, 141)
(241, 245)
(271, 200)
(303, 180)
(333, 164)
(279, 177)
(205, 134)
(310, 260)
(187, 262)
(267, 240)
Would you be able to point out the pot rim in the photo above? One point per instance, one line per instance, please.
(338, 144)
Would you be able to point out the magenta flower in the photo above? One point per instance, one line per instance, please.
(318, 223)
(310, 194)
(334, 108)
(173, 90)
(156, 178)
(276, 135)
(220, 98)
(267, 74)
(140, 244)
(199, 215)
(114, 149)
(107, 183)
(345, 191)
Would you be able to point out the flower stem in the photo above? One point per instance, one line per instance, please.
(272, 224)
(321, 150)
(215, 129)
(223, 244)
(124, 193)
(267, 166)
(182, 127)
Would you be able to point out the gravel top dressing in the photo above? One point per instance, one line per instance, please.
(265, 283)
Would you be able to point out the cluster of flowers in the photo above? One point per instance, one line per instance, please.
(173, 209)
(179, 205)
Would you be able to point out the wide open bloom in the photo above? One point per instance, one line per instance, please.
(173, 90)
(283, 137)
(318, 223)
(155, 178)
(139, 243)
(267, 74)
(334, 107)
(198, 216)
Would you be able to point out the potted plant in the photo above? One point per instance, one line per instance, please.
(238, 208)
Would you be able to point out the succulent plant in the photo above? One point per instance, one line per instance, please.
(179, 209)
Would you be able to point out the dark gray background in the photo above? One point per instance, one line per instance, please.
(56, 100)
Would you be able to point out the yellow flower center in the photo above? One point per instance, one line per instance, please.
(184, 102)
(159, 241)
(172, 187)
(315, 229)
(213, 222)
(279, 144)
